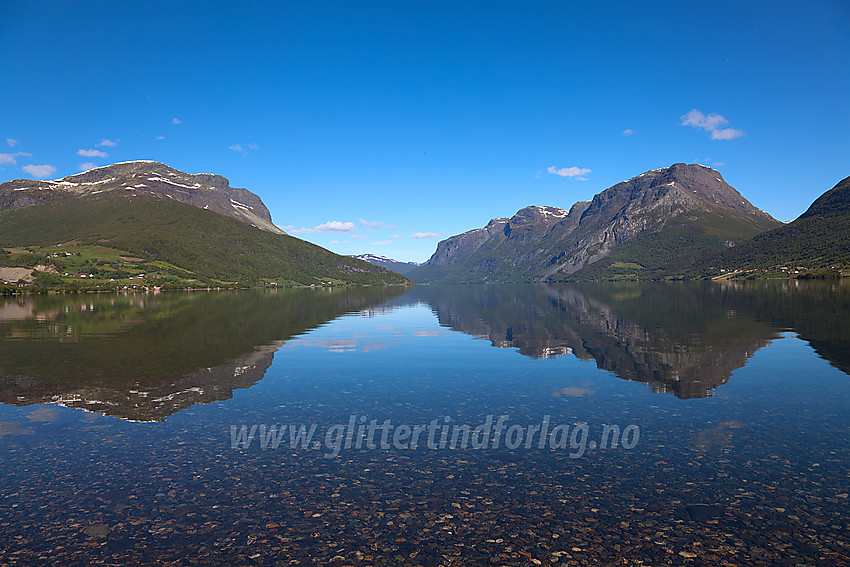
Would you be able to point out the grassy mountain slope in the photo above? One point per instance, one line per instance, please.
(673, 249)
(817, 240)
(204, 245)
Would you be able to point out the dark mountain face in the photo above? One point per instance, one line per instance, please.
(668, 205)
(143, 178)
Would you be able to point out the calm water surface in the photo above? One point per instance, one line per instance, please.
(698, 424)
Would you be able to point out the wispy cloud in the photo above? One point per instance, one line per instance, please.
(424, 235)
(709, 161)
(160, 137)
(713, 123)
(357, 237)
(176, 121)
(576, 172)
(396, 236)
(243, 149)
(87, 166)
(726, 134)
(92, 153)
(371, 225)
(40, 171)
(107, 143)
(382, 242)
(10, 158)
(628, 132)
(330, 226)
(12, 142)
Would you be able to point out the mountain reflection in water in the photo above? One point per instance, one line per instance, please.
(677, 339)
(144, 357)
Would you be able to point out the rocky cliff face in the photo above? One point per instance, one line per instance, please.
(538, 243)
(143, 179)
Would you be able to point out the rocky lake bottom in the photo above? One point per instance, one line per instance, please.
(728, 407)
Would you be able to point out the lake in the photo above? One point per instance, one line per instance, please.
(692, 423)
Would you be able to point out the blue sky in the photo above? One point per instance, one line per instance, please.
(384, 127)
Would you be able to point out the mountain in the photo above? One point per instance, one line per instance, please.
(143, 178)
(145, 224)
(819, 240)
(643, 227)
(402, 268)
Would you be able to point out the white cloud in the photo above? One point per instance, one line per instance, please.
(382, 242)
(12, 142)
(396, 236)
(87, 166)
(335, 226)
(697, 119)
(424, 235)
(92, 153)
(357, 237)
(726, 134)
(40, 171)
(109, 143)
(243, 149)
(372, 225)
(10, 158)
(713, 123)
(160, 137)
(330, 226)
(628, 132)
(577, 172)
(176, 121)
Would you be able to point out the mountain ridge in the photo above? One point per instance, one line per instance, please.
(685, 209)
(144, 178)
(390, 264)
(145, 224)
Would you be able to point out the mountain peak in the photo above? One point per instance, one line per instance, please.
(673, 213)
(833, 202)
(143, 178)
(688, 186)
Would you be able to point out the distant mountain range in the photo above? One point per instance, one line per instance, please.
(402, 268)
(656, 223)
(144, 223)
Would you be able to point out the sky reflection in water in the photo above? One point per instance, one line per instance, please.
(737, 392)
